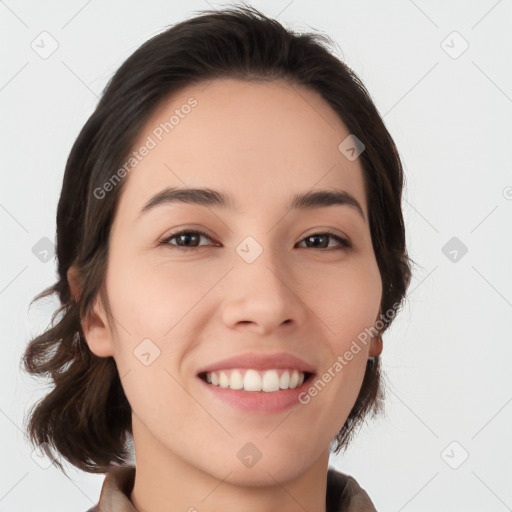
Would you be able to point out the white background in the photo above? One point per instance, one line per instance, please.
(448, 356)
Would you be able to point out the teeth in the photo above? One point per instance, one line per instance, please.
(223, 380)
(253, 380)
(236, 380)
(270, 381)
(284, 381)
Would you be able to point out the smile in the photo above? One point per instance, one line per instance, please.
(248, 379)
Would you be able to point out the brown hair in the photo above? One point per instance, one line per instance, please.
(86, 416)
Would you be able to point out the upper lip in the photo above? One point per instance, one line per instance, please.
(258, 361)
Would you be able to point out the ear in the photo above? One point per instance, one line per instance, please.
(376, 342)
(95, 327)
(375, 346)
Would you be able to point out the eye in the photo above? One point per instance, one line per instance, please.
(186, 240)
(315, 237)
(183, 238)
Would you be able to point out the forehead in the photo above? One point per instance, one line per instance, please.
(260, 142)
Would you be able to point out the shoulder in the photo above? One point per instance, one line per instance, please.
(116, 489)
(344, 494)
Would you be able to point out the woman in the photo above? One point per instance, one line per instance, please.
(231, 249)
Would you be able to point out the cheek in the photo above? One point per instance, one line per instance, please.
(151, 300)
(347, 300)
(151, 306)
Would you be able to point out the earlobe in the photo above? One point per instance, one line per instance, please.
(376, 346)
(97, 331)
(376, 343)
(95, 327)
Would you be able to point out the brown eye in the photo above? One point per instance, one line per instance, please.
(320, 240)
(186, 239)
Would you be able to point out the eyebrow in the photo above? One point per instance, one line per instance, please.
(214, 198)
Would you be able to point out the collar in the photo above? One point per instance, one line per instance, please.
(343, 492)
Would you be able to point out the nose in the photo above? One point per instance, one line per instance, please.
(262, 296)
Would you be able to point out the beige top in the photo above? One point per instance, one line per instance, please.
(343, 492)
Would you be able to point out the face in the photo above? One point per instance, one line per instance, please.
(265, 278)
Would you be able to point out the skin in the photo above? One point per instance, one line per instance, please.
(259, 143)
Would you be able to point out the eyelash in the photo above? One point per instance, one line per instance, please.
(345, 244)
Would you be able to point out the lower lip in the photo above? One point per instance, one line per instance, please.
(258, 401)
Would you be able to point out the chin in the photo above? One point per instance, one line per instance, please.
(262, 470)
(262, 475)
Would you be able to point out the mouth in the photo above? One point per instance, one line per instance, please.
(253, 380)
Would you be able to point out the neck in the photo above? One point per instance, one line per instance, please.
(166, 482)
